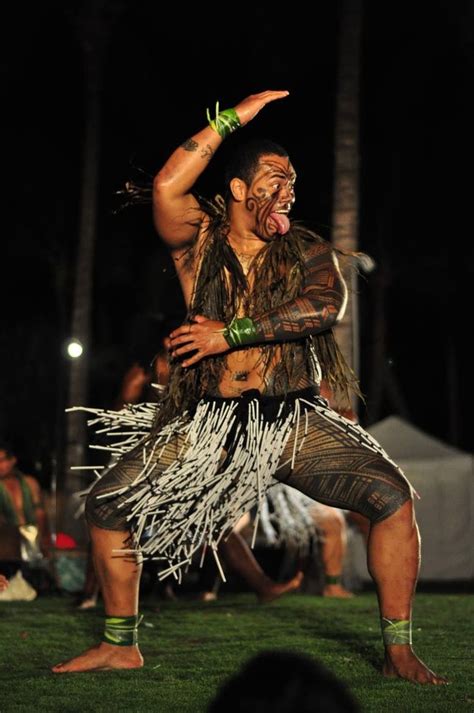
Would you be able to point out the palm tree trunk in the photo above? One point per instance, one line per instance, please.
(93, 45)
(345, 216)
(82, 300)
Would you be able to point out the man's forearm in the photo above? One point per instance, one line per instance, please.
(187, 162)
(298, 318)
(318, 308)
(293, 320)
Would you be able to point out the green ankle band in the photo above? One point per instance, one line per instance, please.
(396, 631)
(225, 122)
(333, 579)
(121, 630)
(240, 331)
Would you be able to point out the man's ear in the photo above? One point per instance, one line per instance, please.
(238, 189)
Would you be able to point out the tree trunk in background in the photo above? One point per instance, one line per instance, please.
(92, 32)
(82, 300)
(383, 382)
(345, 217)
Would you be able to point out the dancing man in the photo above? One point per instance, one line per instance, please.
(242, 408)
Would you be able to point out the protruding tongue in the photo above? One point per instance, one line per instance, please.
(282, 222)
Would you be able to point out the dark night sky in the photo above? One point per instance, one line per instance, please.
(160, 75)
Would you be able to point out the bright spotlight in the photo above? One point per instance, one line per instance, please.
(74, 349)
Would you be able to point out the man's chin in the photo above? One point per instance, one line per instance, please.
(269, 233)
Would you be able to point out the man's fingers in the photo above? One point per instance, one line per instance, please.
(274, 92)
(184, 350)
(184, 329)
(183, 339)
(193, 360)
(279, 94)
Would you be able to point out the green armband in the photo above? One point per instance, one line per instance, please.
(225, 122)
(241, 330)
(396, 631)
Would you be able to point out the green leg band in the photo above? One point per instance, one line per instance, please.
(121, 630)
(333, 579)
(241, 330)
(396, 631)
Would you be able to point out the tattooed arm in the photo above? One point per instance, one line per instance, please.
(320, 305)
(177, 214)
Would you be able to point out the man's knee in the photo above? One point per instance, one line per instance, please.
(399, 508)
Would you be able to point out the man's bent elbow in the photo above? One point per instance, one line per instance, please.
(340, 308)
(161, 189)
(332, 314)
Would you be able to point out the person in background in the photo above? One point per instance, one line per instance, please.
(332, 523)
(22, 512)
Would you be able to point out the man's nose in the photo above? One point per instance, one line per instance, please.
(287, 195)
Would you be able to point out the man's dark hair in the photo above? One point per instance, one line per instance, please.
(283, 682)
(4, 446)
(244, 161)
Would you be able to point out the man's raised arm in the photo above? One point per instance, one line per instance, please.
(177, 214)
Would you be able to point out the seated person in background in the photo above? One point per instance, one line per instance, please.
(21, 505)
(286, 682)
(332, 523)
(238, 556)
(332, 527)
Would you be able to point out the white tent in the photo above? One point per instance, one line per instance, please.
(443, 476)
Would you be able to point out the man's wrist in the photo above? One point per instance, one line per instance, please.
(225, 122)
(241, 331)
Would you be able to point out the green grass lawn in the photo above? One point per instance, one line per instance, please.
(191, 647)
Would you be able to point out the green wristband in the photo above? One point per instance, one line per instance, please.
(225, 122)
(396, 631)
(242, 330)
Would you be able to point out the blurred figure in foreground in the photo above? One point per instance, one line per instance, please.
(283, 682)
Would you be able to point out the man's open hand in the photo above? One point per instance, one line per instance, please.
(203, 336)
(249, 107)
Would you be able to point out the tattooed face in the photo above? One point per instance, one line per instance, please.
(271, 195)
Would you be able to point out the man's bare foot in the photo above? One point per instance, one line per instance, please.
(402, 662)
(276, 589)
(103, 657)
(207, 597)
(336, 590)
(88, 603)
